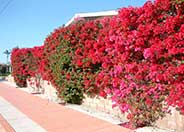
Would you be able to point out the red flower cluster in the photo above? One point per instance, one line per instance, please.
(20, 66)
(25, 63)
(142, 64)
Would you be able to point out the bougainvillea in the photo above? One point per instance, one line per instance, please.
(25, 64)
(20, 65)
(69, 61)
(62, 72)
(143, 60)
(136, 57)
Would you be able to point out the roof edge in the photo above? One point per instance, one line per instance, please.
(92, 14)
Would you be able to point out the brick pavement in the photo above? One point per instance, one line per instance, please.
(55, 117)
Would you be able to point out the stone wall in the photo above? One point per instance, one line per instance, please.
(97, 103)
(9, 78)
(50, 92)
(173, 121)
(45, 88)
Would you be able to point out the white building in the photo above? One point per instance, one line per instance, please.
(92, 15)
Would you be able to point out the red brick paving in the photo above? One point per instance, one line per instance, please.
(4, 126)
(54, 117)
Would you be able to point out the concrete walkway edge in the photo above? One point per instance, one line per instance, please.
(18, 120)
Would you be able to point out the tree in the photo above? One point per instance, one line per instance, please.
(7, 53)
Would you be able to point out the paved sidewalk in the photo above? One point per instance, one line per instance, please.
(18, 120)
(4, 126)
(54, 117)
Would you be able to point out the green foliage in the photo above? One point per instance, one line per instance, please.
(67, 81)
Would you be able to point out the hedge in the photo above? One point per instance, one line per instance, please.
(136, 58)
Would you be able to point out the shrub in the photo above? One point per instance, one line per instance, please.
(20, 66)
(68, 57)
(142, 64)
(25, 64)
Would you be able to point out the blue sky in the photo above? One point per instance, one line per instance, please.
(26, 23)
